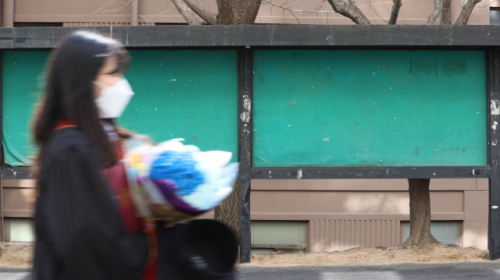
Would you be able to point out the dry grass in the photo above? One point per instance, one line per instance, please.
(361, 256)
(21, 255)
(18, 254)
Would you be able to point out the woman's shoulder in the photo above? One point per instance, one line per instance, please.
(67, 141)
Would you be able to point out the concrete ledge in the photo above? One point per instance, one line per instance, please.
(265, 36)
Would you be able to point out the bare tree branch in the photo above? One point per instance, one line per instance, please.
(374, 4)
(395, 11)
(446, 14)
(317, 11)
(307, 12)
(435, 13)
(202, 11)
(375, 11)
(463, 18)
(292, 11)
(325, 14)
(151, 17)
(108, 3)
(487, 4)
(116, 10)
(349, 10)
(186, 13)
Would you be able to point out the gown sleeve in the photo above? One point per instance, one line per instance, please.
(80, 214)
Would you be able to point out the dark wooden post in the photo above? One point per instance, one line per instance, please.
(245, 100)
(494, 148)
(2, 153)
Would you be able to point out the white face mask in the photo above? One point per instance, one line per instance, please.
(113, 99)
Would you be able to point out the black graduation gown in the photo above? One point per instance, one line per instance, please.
(79, 232)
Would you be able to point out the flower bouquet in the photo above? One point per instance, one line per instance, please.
(176, 182)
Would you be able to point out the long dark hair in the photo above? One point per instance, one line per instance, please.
(69, 94)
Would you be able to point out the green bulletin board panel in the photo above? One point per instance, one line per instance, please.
(190, 94)
(369, 108)
(22, 84)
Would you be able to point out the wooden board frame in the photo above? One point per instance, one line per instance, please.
(245, 139)
(245, 38)
(493, 139)
(264, 36)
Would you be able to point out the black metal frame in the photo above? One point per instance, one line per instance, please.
(2, 231)
(2, 155)
(359, 172)
(265, 35)
(245, 137)
(245, 38)
(494, 137)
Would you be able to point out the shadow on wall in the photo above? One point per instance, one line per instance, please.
(377, 203)
(399, 202)
(475, 238)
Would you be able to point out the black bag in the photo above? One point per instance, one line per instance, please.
(198, 249)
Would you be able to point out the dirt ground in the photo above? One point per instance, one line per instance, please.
(360, 256)
(16, 254)
(19, 254)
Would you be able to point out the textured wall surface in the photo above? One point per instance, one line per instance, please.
(369, 108)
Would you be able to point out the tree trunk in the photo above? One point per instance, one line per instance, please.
(446, 13)
(229, 12)
(420, 214)
(237, 11)
(234, 12)
(228, 211)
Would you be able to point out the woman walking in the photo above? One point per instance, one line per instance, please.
(80, 233)
(85, 221)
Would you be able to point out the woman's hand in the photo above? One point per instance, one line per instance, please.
(124, 133)
(168, 213)
(144, 138)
